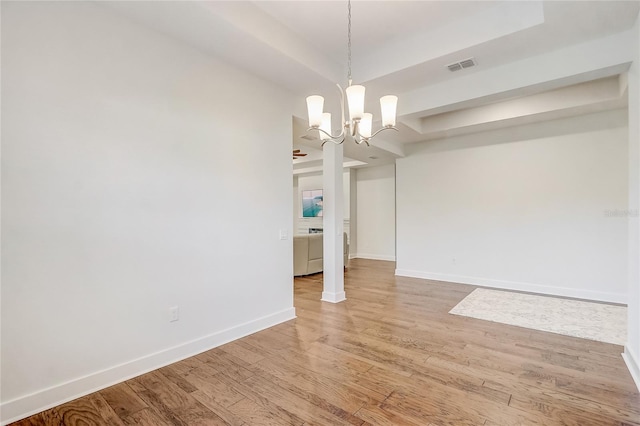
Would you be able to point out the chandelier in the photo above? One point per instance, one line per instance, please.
(360, 122)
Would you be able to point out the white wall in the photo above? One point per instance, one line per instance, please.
(353, 212)
(295, 202)
(632, 348)
(130, 184)
(376, 195)
(524, 208)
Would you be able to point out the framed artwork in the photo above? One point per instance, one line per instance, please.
(312, 203)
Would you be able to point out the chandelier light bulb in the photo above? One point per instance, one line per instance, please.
(365, 124)
(326, 126)
(355, 98)
(315, 104)
(388, 106)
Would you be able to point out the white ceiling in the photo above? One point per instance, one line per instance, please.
(523, 49)
(373, 22)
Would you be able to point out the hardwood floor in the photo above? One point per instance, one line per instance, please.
(389, 355)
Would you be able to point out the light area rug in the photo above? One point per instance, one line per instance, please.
(588, 320)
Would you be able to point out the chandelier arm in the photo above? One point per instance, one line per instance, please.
(338, 136)
(341, 108)
(364, 139)
(384, 128)
(332, 140)
(360, 140)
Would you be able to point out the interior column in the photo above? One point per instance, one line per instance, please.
(332, 224)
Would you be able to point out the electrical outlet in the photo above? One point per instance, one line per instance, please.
(283, 234)
(174, 314)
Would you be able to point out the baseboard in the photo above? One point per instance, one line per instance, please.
(28, 405)
(333, 297)
(633, 364)
(599, 296)
(374, 256)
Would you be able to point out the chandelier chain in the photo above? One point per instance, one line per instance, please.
(349, 41)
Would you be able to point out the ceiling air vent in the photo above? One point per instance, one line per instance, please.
(466, 63)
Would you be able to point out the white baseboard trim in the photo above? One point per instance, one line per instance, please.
(633, 364)
(333, 297)
(599, 296)
(44, 399)
(374, 256)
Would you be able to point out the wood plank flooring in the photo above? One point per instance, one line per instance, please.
(389, 355)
